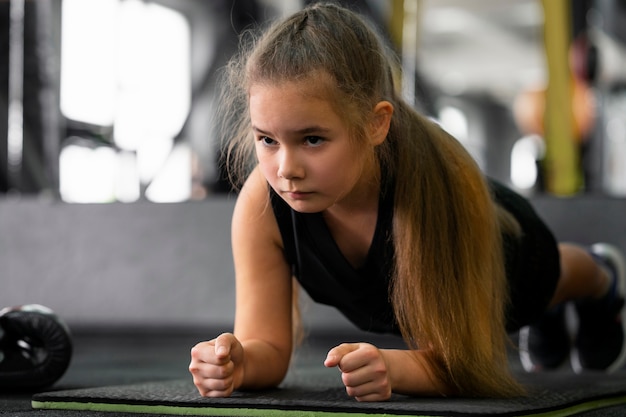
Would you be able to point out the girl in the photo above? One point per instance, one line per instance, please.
(377, 211)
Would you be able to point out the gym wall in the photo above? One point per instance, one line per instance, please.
(146, 264)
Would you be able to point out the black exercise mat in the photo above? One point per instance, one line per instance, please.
(321, 394)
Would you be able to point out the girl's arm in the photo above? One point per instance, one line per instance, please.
(372, 374)
(258, 354)
(411, 373)
(263, 320)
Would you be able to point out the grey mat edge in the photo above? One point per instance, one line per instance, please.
(289, 401)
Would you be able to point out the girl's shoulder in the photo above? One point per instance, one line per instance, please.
(254, 190)
(253, 215)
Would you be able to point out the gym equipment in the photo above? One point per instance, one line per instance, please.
(35, 347)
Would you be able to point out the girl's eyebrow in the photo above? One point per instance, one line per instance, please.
(256, 129)
(304, 131)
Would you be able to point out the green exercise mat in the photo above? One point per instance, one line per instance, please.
(321, 394)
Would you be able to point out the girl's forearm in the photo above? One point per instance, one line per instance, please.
(264, 365)
(411, 373)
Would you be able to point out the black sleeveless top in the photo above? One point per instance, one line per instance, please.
(362, 294)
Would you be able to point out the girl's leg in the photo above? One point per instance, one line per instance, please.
(581, 276)
(593, 279)
(546, 344)
(600, 343)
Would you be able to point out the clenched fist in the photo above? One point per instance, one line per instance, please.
(363, 371)
(217, 366)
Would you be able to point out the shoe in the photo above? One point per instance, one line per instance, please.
(600, 341)
(546, 344)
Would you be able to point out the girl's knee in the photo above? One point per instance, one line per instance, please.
(581, 276)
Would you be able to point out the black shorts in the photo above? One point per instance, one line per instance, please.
(532, 261)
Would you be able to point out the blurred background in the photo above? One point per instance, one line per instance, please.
(105, 110)
(111, 100)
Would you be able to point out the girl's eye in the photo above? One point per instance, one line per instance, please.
(266, 140)
(314, 140)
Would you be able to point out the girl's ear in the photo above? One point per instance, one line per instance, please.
(381, 120)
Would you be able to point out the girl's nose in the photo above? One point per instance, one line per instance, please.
(289, 166)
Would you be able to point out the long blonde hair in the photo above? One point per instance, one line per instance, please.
(448, 288)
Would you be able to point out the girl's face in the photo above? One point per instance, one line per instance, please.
(304, 148)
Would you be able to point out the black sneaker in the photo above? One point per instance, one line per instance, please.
(600, 342)
(546, 344)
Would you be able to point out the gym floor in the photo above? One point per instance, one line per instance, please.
(103, 357)
(114, 356)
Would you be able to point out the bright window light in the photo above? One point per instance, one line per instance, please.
(524, 156)
(88, 64)
(454, 121)
(154, 81)
(127, 187)
(151, 157)
(125, 64)
(87, 175)
(172, 184)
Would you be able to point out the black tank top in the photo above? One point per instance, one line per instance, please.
(362, 294)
